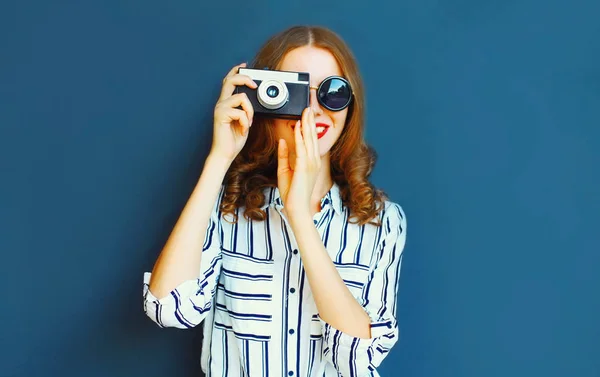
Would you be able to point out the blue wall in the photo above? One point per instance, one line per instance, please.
(485, 114)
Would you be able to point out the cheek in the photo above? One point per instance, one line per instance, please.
(283, 129)
(339, 119)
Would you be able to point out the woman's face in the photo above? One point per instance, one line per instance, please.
(320, 63)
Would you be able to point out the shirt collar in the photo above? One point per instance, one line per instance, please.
(332, 199)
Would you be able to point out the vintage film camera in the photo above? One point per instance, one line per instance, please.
(280, 94)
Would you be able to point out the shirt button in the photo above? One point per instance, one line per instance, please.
(295, 251)
(292, 290)
(291, 331)
(315, 221)
(291, 373)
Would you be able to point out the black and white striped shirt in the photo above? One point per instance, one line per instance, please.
(253, 297)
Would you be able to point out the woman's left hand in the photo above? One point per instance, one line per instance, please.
(296, 186)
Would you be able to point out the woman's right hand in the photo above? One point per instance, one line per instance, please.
(231, 125)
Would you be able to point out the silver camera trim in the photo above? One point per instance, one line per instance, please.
(272, 103)
(283, 76)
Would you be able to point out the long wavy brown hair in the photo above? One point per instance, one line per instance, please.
(352, 160)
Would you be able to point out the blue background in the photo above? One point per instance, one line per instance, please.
(485, 115)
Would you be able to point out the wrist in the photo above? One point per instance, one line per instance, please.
(216, 161)
(299, 216)
(215, 168)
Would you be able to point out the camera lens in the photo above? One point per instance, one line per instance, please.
(272, 91)
(272, 94)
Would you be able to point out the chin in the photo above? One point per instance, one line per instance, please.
(324, 148)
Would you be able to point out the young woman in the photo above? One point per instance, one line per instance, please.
(285, 251)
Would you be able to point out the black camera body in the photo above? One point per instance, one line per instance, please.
(280, 94)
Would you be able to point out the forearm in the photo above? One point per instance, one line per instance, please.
(181, 256)
(335, 303)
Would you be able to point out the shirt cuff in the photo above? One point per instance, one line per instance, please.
(354, 356)
(378, 329)
(185, 289)
(183, 307)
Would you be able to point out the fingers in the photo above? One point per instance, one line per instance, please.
(240, 99)
(300, 148)
(306, 140)
(283, 163)
(310, 140)
(234, 79)
(315, 138)
(234, 70)
(308, 127)
(282, 153)
(284, 170)
(241, 117)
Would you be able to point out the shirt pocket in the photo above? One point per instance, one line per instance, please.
(355, 277)
(244, 299)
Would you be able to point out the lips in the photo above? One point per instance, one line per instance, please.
(321, 129)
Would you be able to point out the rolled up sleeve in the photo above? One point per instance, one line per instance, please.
(355, 357)
(190, 302)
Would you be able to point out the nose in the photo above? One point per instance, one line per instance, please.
(314, 103)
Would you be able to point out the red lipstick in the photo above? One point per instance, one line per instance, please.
(324, 126)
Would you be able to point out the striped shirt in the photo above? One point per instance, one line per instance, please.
(253, 297)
